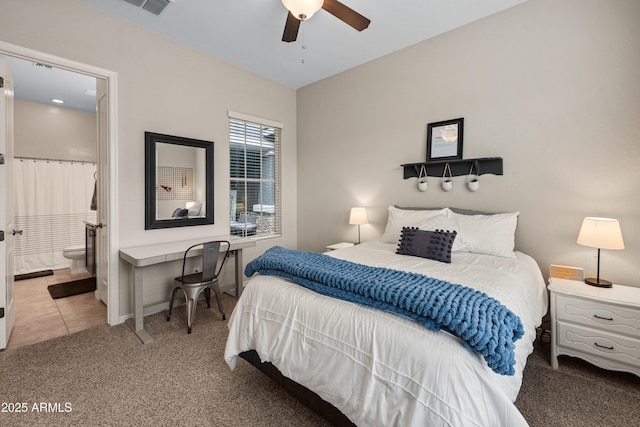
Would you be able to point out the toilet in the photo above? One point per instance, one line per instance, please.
(77, 256)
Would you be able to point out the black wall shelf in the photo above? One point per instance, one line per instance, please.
(459, 167)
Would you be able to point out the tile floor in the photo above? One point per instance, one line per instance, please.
(40, 317)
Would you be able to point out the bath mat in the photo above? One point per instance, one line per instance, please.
(74, 287)
(33, 275)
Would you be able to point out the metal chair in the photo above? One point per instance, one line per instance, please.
(192, 285)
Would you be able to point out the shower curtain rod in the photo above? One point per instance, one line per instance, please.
(54, 160)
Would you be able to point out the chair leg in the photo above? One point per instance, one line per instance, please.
(191, 313)
(173, 296)
(191, 295)
(216, 290)
(207, 295)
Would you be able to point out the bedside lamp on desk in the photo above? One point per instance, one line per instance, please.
(600, 233)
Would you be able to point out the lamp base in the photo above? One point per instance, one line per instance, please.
(598, 282)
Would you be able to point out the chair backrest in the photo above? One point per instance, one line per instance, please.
(248, 217)
(210, 257)
(212, 263)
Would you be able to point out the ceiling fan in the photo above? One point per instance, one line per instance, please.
(301, 10)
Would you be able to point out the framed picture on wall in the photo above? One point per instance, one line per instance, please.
(444, 140)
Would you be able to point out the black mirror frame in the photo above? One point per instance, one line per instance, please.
(150, 222)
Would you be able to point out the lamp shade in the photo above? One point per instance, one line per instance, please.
(601, 233)
(303, 9)
(358, 216)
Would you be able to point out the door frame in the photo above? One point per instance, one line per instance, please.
(111, 77)
(7, 256)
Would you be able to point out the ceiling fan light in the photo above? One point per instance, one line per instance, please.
(303, 9)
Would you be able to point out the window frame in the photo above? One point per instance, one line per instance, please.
(264, 218)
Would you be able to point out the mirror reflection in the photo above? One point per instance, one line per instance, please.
(179, 181)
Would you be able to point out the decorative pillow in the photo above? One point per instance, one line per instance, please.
(487, 234)
(435, 245)
(442, 222)
(194, 210)
(399, 218)
(180, 213)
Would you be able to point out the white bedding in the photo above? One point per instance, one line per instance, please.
(381, 369)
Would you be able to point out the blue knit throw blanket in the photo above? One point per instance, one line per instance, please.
(481, 322)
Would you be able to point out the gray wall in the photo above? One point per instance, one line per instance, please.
(47, 131)
(163, 87)
(550, 86)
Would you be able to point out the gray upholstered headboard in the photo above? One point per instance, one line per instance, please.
(456, 210)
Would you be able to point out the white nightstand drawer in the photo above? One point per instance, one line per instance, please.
(593, 341)
(600, 325)
(613, 318)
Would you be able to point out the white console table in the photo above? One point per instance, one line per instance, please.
(140, 257)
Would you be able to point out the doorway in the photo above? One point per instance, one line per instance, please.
(54, 188)
(106, 168)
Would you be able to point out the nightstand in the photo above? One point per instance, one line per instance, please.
(599, 325)
(341, 245)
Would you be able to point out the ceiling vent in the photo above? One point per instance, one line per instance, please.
(41, 65)
(154, 6)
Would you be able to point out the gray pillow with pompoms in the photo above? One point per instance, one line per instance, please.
(435, 245)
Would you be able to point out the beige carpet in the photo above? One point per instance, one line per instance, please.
(578, 394)
(109, 378)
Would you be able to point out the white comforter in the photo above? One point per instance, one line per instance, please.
(381, 369)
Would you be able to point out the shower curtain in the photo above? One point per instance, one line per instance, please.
(52, 199)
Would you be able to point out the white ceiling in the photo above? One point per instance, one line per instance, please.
(38, 83)
(248, 33)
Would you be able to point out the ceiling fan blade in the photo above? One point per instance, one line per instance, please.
(346, 14)
(291, 28)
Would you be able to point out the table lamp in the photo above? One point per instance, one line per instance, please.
(358, 216)
(600, 233)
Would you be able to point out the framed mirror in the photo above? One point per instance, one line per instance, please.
(178, 181)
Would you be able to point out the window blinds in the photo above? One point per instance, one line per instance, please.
(255, 199)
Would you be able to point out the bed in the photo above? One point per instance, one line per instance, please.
(378, 368)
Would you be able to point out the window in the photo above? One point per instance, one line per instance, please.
(254, 177)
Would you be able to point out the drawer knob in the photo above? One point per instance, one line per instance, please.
(603, 318)
(603, 346)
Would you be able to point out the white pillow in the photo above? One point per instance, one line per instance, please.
(487, 234)
(399, 218)
(442, 222)
(194, 210)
